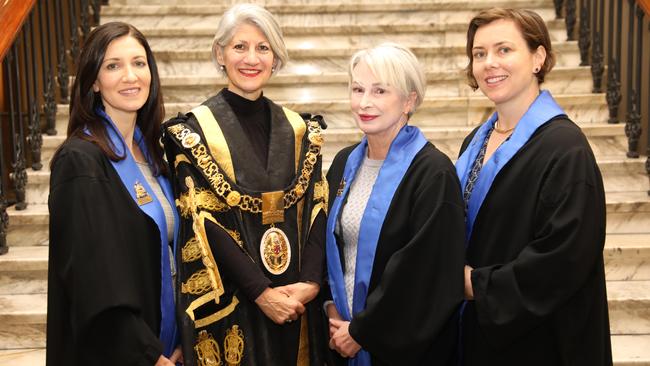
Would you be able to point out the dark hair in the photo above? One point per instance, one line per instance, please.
(532, 28)
(84, 101)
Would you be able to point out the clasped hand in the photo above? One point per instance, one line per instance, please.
(285, 304)
(340, 339)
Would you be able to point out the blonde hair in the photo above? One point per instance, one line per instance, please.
(396, 66)
(255, 15)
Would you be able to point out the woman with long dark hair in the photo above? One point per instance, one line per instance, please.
(112, 219)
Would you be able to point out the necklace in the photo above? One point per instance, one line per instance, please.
(496, 128)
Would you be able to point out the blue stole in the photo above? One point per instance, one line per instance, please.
(405, 146)
(130, 174)
(543, 109)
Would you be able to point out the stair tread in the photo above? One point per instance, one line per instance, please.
(23, 308)
(331, 29)
(618, 291)
(631, 348)
(25, 258)
(296, 52)
(330, 77)
(285, 7)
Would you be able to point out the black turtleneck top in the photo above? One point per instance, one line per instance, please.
(255, 118)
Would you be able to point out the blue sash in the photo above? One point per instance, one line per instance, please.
(406, 145)
(130, 174)
(543, 109)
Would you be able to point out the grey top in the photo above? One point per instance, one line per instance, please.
(351, 216)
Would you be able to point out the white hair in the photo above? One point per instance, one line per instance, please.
(255, 15)
(396, 66)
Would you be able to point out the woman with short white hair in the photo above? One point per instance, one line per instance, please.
(394, 235)
(248, 183)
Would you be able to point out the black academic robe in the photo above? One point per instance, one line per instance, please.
(416, 285)
(233, 237)
(536, 249)
(104, 266)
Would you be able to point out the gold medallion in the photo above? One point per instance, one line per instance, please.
(233, 198)
(190, 140)
(207, 350)
(272, 207)
(141, 194)
(233, 346)
(275, 251)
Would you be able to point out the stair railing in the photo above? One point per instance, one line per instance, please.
(612, 37)
(38, 47)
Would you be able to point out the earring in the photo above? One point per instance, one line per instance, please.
(536, 70)
(222, 67)
(273, 69)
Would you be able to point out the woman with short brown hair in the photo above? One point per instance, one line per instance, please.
(535, 211)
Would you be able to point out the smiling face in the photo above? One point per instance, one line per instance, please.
(380, 110)
(124, 78)
(248, 60)
(503, 65)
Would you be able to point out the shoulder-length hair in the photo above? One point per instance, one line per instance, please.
(84, 100)
(255, 15)
(532, 28)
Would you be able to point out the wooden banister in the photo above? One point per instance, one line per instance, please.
(645, 5)
(12, 15)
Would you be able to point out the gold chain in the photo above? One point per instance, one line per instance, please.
(246, 202)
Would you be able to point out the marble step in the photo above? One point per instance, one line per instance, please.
(23, 317)
(627, 213)
(629, 307)
(584, 109)
(310, 61)
(628, 350)
(631, 350)
(619, 174)
(627, 257)
(23, 270)
(314, 15)
(341, 36)
(335, 85)
(271, 3)
(607, 141)
(22, 321)
(23, 357)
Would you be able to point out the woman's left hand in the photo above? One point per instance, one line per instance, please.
(301, 291)
(342, 342)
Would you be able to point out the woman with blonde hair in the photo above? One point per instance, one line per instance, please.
(395, 229)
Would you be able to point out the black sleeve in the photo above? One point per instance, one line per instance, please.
(514, 297)
(235, 263)
(313, 256)
(91, 266)
(422, 283)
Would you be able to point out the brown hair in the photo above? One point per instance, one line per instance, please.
(532, 27)
(84, 100)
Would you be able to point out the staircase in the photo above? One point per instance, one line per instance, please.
(321, 36)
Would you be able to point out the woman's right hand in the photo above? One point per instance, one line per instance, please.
(164, 361)
(279, 307)
(332, 313)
